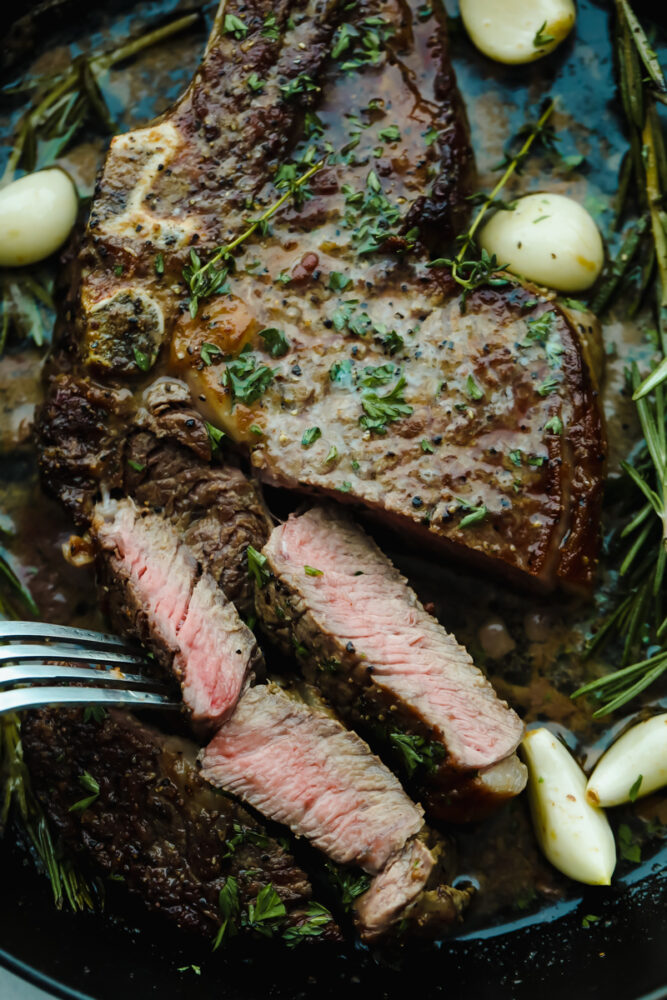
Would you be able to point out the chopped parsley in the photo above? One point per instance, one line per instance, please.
(255, 83)
(257, 566)
(515, 456)
(427, 447)
(473, 389)
(548, 386)
(137, 466)
(369, 214)
(338, 282)
(554, 425)
(215, 436)
(382, 410)
(379, 375)
(270, 29)
(301, 84)
(312, 571)
(94, 712)
(275, 342)
(317, 917)
(345, 486)
(342, 372)
(541, 328)
(208, 352)
(362, 45)
(256, 429)
(347, 884)
(88, 783)
(230, 909)
(589, 920)
(233, 25)
(390, 134)
(332, 454)
(143, 361)
(414, 751)
(473, 515)
(310, 436)
(159, 264)
(392, 342)
(430, 136)
(265, 911)
(243, 835)
(246, 379)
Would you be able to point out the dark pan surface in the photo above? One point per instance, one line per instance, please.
(549, 955)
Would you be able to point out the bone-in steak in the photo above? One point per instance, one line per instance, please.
(156, 825)
(332, 353)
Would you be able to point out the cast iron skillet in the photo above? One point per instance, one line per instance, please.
(622, 956)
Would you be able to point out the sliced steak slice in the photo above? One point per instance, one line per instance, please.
(157, 594)
(156, 825)
(399, 894)
(381, 659)
(302, 768)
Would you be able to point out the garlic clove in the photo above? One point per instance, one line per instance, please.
(517, 31)
(37, 213)
(549, 239)
(635, 765)
(574, 835)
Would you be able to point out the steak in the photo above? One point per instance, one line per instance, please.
(331, 352)
(387, 665)
(299, 766)
(303, 769)
(157, 594)
(156, 825)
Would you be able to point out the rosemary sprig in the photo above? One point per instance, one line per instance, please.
(639, 615)
(68, 100)
(67, 883)
(204, 280)
(472, 267)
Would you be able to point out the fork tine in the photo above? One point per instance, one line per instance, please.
(40, 697)
(54, 651)
(40, 630)
(36, 672)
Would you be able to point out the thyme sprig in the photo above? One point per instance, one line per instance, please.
(638, 616)
(66, 101)
(472, 266)
(204, 280)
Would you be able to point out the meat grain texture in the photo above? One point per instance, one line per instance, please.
(387, 665)
(157, 593)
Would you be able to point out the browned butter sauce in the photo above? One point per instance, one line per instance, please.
(531, 648)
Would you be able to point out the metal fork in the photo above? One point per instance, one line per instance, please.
(28, 655)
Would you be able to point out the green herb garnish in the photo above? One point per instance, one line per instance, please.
(258, 566)
(88, 783)
(275, 342)
(310, 435)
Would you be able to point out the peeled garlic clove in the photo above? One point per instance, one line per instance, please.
(37, 213)
(517, 31)
(549, 239)
(640, 753)
(574, 835)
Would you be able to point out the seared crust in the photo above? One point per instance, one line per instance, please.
(155, 824)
